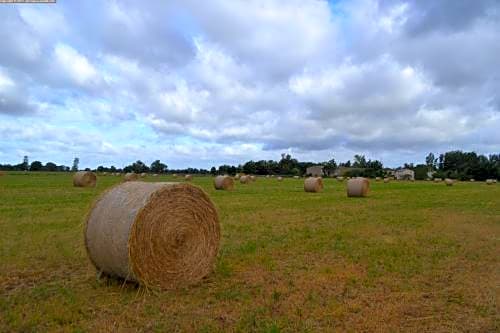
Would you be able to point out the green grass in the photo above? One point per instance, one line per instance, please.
(410, 257)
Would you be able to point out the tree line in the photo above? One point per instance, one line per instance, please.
(453, 164)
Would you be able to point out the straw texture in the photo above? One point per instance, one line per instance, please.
(245, 179)
(358, 187)
(448, 182)
(223, 183)
(313, 184)
(280, 179)
(489, 181)
(162, 235)
(131, 176)
(84, 179)
(387, 180)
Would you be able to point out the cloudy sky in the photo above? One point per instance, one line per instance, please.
(201, 83)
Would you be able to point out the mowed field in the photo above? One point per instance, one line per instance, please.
(410, 257)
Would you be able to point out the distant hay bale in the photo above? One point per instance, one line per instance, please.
(296, 177)
(245, 179)
(104, 173)
(437, 180)
(377, 179)
(253, 178)
(84, 179)
(280, 178)
(313, 184)
(223, 183)
(131, 176)
(155, 175)
(448, 182)
(267, 176)
(340, 179)
(162, 235)
(188, 178)
(143, 175)
(358, 187)
(494, 181)
(387, 180)
(472, 180)
(174, 175)
(489, 181)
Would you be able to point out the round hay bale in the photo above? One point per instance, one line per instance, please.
(448, 182)
(494, 181)
(472, 180)
(143, 175)
(313, 184)
(84, 179)
(131, 176)
(489, 181)
(280, 178)
(267, 176)
(377, 179)
(387, 180)
(162, 235)
(296, 177)
(155, 175)
(253, 178)
(340, 179)
(245, 179)
(358, 187)
(437, 180)
(174, 175)
(188, 178)
(223, 183)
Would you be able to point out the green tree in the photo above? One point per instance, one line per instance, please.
(76, 161)
(36, 166)
(158, 167)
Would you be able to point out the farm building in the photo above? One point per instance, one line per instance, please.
(315, 171)
(404, 174)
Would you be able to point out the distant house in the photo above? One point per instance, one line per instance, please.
(404, 174)
(315, 171)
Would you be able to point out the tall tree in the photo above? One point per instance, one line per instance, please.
(430, 161)
(158, 167)
(25, 164)
(76, 161)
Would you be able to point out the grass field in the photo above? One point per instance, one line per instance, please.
(410, 257)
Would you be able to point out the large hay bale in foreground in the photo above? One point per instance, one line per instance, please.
(358, 187)
(223, 183)
(84, 179)
(131, 176)
(448, 182)
(188, 178)
(162, 235)
(245, 179)
(313, 184)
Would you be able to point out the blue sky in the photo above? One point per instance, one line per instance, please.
(202, 84)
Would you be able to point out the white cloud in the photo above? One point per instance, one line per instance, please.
(75, 65)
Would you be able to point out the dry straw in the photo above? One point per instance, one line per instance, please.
(84, 179)
(223, 183)
(253, 178)
(448, 182)
(280, 178)
(358, 187)
(387, 180)
(437, 180)
(162, 235)
(131, 176)
(377, 179)
(188, 178)
(313, 184)
(245, 179)
(174, 175)
(489, 181)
